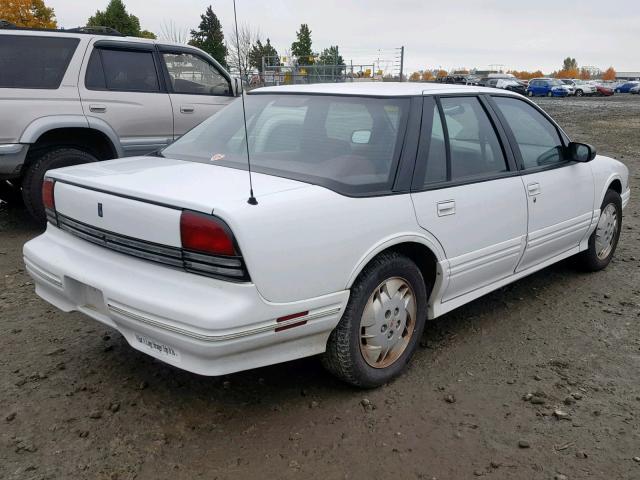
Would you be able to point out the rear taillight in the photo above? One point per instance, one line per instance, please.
(48, 200)
(209, 248)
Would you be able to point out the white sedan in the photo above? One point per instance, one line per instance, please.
(379, 206)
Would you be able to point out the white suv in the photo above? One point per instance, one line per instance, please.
(582, 87)
(73, 96)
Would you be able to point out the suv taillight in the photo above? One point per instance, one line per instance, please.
(209, 247)
(48, 200)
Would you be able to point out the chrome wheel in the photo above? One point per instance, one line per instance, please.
(388, 322)
(606, 231)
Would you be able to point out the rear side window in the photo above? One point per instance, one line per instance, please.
(122, 71)
(34, 62)
(537, 138)
(473, 144)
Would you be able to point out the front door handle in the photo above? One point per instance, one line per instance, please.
(95, 108)
(533, 189)
(187, 109)
(446, 207)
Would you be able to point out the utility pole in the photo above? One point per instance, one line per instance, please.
(401, 62)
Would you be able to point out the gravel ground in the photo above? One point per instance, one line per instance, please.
(77, 402)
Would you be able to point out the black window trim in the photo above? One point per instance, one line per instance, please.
(101, 45)
(177, 50)
(503, 139)
(64, 70)
(512, 138)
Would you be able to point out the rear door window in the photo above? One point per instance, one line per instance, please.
(34, 61)
(122, 71)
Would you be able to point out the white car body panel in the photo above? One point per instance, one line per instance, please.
(304, 246)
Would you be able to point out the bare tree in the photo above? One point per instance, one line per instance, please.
(247, 37)
(171, 32)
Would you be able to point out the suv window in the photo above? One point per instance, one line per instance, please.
(34, 62)
(538, 139)
(473, 143)
(122, 70)
(191, 74)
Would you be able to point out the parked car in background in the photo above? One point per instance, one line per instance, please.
(603, 90)
(580, 87)
(507, 84)
(77, 96)
(425, 197)
(569, 86)
(547, 87)
(635, 90)
(626, 87)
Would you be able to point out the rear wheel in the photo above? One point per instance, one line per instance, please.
(604, 240)
(382, 324)
(579, 93)
(32, 181)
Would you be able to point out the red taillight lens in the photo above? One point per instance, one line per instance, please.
(205, 233)
(47, 194)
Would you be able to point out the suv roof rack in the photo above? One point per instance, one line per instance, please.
(97, 30)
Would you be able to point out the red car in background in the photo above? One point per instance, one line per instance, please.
(603, 91)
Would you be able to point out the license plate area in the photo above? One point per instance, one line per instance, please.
(155, 347)
(85, 296)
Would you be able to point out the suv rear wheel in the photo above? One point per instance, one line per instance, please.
(34, 176)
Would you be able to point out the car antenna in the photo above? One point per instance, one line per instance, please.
(252, 199)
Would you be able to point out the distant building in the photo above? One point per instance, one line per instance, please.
(627, 75)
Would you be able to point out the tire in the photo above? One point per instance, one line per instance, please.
(32, 181)
(10, 193)
(617, 90)
(549, 94)
(579, 93)
(345, 356)
(594, 259)
(530, 93)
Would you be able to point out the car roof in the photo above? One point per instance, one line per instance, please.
(378, 89)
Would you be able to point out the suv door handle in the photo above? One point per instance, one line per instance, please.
(447, 207)
(95, 108)
(187, 108)
(533, 189)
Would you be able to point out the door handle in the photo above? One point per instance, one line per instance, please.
(533, 189)
(447, 207)
(95, 108)
(187, 109)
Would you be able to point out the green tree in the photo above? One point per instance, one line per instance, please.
(569, 64)
(301, 48)
(266, 51)
(147, 34)
(331, 56)
(117, 17)
(209, 36)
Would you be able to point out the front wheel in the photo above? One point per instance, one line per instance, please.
(530, 93)
(382, 324)
(604, 240)
(579, 93)
(549, 94)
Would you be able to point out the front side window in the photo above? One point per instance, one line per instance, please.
(475, 150)
(191, 74)
(537, 138)
(34, 61)
(122, 71)
(349, 144)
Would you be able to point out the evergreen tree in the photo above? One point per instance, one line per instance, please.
(258, 51)
(331, 56)
(301, 48)
(116, 16)
(209, 37)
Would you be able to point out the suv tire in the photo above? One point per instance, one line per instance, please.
(34, 176)
(376, 336)
(579, 93)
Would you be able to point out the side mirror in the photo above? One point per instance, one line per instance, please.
(581, 152)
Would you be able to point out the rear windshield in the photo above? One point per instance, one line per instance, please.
(34, 62)
(348, 144)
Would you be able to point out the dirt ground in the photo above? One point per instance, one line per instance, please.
(76, 402)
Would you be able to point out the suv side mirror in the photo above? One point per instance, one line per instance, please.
(581, 152)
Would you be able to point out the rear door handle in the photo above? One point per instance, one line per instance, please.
(187, 109)
(446, 207)
(533, 189)
(95, 108)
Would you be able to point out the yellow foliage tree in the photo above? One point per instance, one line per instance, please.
(609, 74)
(28, 13)
(585, 74)
(427, 76)
(524, 75)
(570, 73)
(442, 73)
(415, 77)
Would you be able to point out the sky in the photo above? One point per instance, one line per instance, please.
(520, 35)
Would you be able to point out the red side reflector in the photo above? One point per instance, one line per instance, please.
(47, 194)
(205, 233)
(291, 317)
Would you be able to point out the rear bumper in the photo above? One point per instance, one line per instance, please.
(195, 323)
(12, 156)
